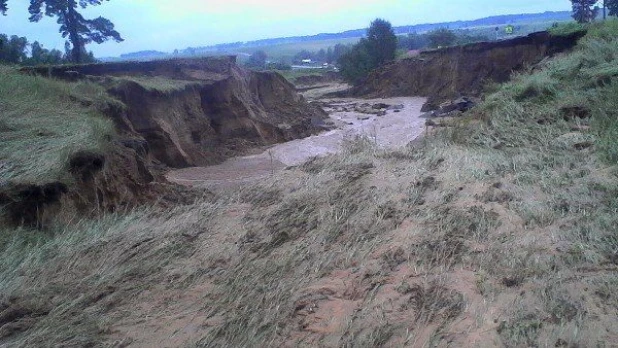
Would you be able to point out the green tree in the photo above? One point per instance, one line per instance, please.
(413, 41)
(329, 55)
(3, 7)
(304, 54)
(339, 50)
(13, 49)
(257, 59)
(381, 42)
(441, 38)
(378, 48)
(357, 63)
(40, 55)
(79, 30)
(584, 11)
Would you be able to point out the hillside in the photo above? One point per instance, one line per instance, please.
(499, 229)
(311, 42)
(457, 71)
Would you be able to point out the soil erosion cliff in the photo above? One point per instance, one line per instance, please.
(197, 112)
(175, 113)
(462, 70)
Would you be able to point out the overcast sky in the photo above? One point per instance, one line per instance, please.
(166, 25)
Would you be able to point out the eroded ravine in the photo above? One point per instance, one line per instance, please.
(400, 125)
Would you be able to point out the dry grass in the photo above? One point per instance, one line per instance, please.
(43, 122)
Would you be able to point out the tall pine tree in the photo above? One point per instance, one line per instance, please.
(79, 30)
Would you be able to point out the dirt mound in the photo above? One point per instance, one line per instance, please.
(462, 70)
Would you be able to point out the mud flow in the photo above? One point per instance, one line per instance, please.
(390, 123)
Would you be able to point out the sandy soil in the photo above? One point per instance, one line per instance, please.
(395, 129)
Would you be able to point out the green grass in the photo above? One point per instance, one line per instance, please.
(43, 122)
(568, 28)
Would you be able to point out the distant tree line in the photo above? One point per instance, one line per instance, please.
(17, 50)
(330, 55)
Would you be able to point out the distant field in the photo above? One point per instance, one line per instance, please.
(521, 29)
(289, 50)
(286, 51)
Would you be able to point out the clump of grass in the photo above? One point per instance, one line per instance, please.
(435, 302)
(44, 122)
(522, 330)
(605, 123)
(568, 28)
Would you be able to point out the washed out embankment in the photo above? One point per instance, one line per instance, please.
(201, 111)
(452, 72)
(387, 123)
(176, 113)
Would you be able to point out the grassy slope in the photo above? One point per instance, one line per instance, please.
(499, 231)
(42, 122)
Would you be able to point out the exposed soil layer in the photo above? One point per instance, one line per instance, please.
(462, 70)
(216, 118)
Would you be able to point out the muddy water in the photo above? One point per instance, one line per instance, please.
(395, 129)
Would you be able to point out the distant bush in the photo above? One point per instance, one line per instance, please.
(441, 38)
(257, 60)
(412, 41)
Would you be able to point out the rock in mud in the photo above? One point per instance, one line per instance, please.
(396, 107)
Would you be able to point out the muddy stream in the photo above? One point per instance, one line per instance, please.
(400, 125)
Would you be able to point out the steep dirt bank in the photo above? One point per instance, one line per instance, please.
(166, 114)
(212, 114)
(96, 182)
(199, 111)
(462, 70)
